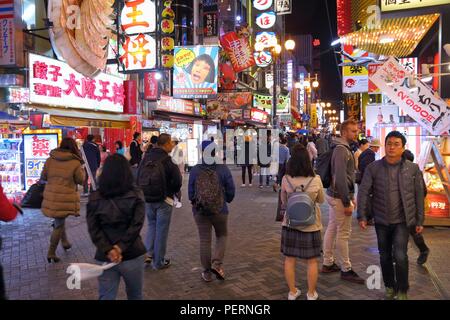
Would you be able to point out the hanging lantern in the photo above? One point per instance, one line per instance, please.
(167, 26)
(167, 44)
(167, 60)
(168, 13)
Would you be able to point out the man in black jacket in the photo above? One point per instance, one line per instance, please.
(394, 188)
(160, 180)
(135, 150)
(92, 152)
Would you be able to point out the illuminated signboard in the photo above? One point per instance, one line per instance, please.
(262, 5)
(394, 5)
(266, 20)
(263, 59)
(138, 52)
(138, 17)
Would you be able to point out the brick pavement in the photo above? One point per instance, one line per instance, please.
(254, 264)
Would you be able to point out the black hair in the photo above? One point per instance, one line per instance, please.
(299, 165)
(408, 155)
(104, 148)
(69, 144)
(119, 143)
(154, 139)
(116, 178)
(136, 135)
(211, 78)
(90, 137)
(396, 134)
(363, 142)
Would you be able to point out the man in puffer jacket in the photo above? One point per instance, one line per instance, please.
(397, 201)
(7, 213)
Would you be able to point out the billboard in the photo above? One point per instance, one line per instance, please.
(195, 72)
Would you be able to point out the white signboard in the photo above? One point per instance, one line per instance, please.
(262, 5)
(421, 104)
(283, 7)
(138, 52)
(53, 82)
(36, 150)
(266, 20)
(394, 5)
(355, 84)
(266, 39)
(269, 80)
(138, 17)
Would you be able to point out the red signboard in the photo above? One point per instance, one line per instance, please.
(239, 50)
(150, 86)
(259, 115)
(437, 206)
(130, 106)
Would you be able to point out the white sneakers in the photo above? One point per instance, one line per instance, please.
(243, 185)
(294, 296)
(250, 185)
(314, 297)
(298, 293)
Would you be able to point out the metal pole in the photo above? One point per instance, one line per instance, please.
(274, 97)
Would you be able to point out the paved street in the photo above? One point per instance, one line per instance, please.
(254, 264)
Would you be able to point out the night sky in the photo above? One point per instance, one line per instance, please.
(310, 17)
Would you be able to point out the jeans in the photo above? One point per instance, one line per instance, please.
(205, 225)
(264, 172)
(281, 173)
(132, 272)
(393, 245)
(418, 240)
(338, 232)
(250, 175)
(158, 216)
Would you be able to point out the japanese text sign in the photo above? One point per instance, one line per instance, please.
(266, 20)
(263, 59)
(266, 39)
(177, 105)
(53, 82)
(195, 72)
(151, 86)
(7, 49)
(393, 5)
(138, 52)
(283, 7)
(138, 16)
(427, 108)
(262, 5)
(36, 150)
(239, 51)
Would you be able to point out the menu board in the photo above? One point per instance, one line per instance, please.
(10, 165)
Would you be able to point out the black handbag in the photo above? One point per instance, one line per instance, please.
(34, 196)
(280, 212)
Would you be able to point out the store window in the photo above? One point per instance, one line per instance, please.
(29, 13)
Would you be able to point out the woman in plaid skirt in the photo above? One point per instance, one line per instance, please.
(301, 242)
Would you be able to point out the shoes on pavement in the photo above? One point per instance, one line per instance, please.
(207, 275)
(165, 265)
(352, 276)
(329, 269)
(294, 296)
(260, 186)
(250, 185)
(402, 296)
(268, 186)
(220, 274)
(315, 296)
(423, 257)
(389, 294)
(243, 185)
(148, 259)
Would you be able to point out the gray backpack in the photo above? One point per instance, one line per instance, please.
(300, 209)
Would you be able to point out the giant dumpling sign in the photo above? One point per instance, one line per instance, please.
(81, 32)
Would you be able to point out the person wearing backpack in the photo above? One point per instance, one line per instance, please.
(115, 216)
(340, 197)
(160, 179)
(302, 239)
(211, 187)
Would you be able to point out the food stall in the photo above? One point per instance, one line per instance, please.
(434, 161)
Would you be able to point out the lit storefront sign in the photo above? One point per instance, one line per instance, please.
(283, 7)
(266, 20)
(265, 39)
(394, 5)
(262, 4)
(53, 82)
(263, 59)
(290, 75)
(259, 115)
(178, 106)
(138, 52)
(138, 16)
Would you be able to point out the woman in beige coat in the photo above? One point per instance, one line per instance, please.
(63, 171)
(301, 242)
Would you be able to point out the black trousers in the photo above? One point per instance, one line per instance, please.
(2, 285)
(250, 175)
(418, 240)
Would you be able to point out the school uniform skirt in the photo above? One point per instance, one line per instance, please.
(303, 245)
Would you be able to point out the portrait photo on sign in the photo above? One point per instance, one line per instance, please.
(196, 72)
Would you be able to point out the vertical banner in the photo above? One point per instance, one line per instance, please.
(352, 104)
(7, 30)
(151, 90)
(130, 105)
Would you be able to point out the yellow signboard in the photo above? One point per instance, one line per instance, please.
(351, 71)
(314, 120)
(394, 5)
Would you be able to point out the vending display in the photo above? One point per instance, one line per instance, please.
(10, 165)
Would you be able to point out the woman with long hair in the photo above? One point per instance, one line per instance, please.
(115, 216)
(301, 242)
(62, 171)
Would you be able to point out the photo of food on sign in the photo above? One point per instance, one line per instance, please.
(195, 72)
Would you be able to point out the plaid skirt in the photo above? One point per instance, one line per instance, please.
(303, 245)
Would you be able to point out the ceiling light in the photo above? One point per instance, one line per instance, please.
(386, 39)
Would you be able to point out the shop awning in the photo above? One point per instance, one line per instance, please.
(396, 37)
(75, 118)
(176, 117)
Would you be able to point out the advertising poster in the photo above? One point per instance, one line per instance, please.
(10, 173)
(229, 106)
(355, 79)
(195, 72)
(239, 51)
(380, 114)
(422, 104)
(36, 150)
(265, 103)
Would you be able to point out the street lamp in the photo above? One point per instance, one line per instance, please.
(289, 45)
